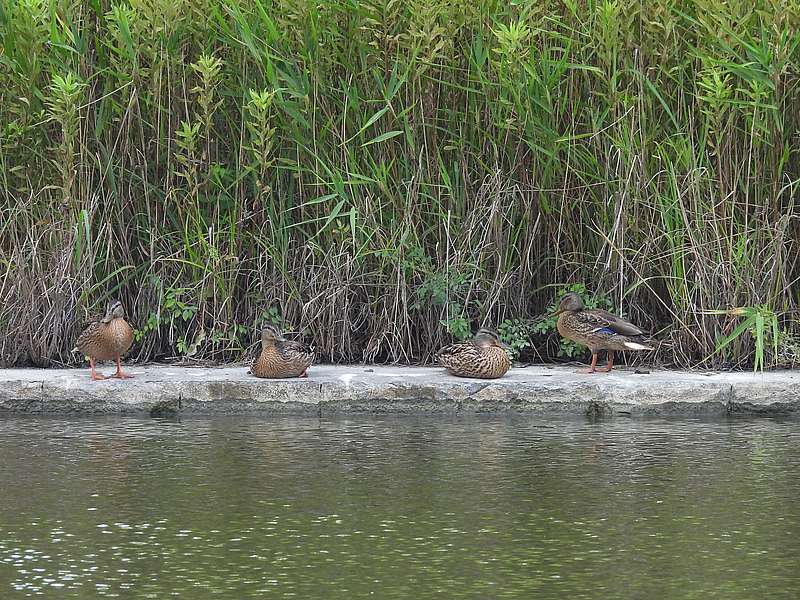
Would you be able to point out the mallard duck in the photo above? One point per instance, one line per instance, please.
(281, 358)
(107, 339)
(597, 329)
(484, 356)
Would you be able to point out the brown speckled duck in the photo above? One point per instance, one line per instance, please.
(484, 356)
(107, 339)
(597, 329)
(281, 358)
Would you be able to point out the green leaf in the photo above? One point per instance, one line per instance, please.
(369, 122)
(739, 330)
(383, 137)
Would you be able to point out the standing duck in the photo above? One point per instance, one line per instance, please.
(107, 339)
(281, 358)
(484, 356)
(597, 329)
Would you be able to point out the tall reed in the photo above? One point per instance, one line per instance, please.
(383, 176)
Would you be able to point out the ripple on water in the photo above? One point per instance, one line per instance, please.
(395, 507)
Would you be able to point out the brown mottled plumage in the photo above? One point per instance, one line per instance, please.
(107, 339)
(484, 356)
(281, 358)
(597, 329)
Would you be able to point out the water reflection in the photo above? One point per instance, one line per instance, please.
(460, 508)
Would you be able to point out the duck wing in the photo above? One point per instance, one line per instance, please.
(600, 320)
(88, 336)
(459, 353)
(291, 350)
(457, 349)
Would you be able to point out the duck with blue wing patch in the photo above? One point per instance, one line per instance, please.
(597, 329)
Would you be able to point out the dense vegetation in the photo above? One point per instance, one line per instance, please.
(383, 175)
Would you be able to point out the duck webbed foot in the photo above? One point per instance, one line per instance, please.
(610, 362)
(592, 367)
(119, 374)
(95, 375)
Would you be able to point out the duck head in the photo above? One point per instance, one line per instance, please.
(271, 334)
(114, 310)
(569, 303)
(488, 337)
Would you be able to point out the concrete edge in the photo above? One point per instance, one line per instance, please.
(351, 389)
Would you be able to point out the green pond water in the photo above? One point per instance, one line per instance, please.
(412, 507)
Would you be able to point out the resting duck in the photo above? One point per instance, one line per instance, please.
(484, 356)
(597, 329)
(107, 339)
(281, 358)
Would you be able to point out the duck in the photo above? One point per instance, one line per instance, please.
(106, 339)
(281, 358)
(485, 356)
(597, 329)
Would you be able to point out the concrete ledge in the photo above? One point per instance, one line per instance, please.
(168, 390)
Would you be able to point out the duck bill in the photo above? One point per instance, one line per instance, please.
(555, 314)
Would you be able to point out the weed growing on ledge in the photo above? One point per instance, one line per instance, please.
(388, 175)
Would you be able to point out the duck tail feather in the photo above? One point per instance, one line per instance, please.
(637, 346)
